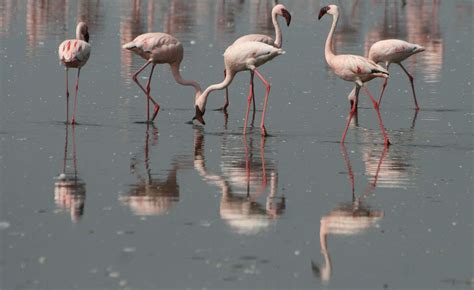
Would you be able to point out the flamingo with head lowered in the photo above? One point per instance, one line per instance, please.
(74, 53)
(391, 51)
(352, 68)
(278, 10)
(158, 48)
(240, 57)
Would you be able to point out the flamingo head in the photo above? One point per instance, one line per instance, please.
(281, 10)
(82, 31)
(199, 115)
(330, 9)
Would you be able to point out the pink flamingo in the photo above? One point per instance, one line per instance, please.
(159, 48)
(278, 10)
(240, 57)
(394, 51)
(352, 68)
(74, 53)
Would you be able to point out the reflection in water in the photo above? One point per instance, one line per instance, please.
(348, 218)
(7, 10)
(69, 188)
(151, 196)
(399, 169)
(242, 182)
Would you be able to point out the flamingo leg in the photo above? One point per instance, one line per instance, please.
(267, 92)
(67, 96)
(410, 77)
(376, 107)
(351, 113)
(253, 96)
(149, 98)
(249, 100)
(383, 87)
(148, 90)
(73, 121)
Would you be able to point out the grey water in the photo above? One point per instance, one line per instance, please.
(113, 203)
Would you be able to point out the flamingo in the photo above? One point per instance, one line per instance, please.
(352, 68)
(278, 10)
(159, 48)
(240, 57)
(391, 51)
(74, 53)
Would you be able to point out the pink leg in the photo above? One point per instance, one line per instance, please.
(253, 97)
(67, 96)
(376, 107)
(410, 77)
(75, 98)
(267, 85)
(383, 87)
(148, 90)
(351, 113)
(249, 99)
(149, 98)
(349, 169)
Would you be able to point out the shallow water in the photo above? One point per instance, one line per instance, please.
(115, 203)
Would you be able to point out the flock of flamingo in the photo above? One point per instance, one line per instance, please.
(248, 53)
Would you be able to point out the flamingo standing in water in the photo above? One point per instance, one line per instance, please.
(394, 51)
(352, 68)
(278, 10)
(74, 53)
(240, 57)
(158, 48)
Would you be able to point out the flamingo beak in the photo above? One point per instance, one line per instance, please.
(287, 16)
(323, 11)
(86, 36)
(198, 116)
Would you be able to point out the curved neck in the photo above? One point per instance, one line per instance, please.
(278, 35)
(181, 81)
(202, 99)
(328, 49)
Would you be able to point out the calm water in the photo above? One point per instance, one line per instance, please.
(113, 203)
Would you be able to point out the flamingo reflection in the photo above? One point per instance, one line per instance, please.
(69, 188)
(151, 196)
(241, 184)
(348, 219)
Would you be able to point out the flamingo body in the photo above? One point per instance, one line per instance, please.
(393, 51)
(159, 48)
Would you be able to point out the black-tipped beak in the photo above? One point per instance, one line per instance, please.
(287, 16)
(323, 11)
(86, 37)
(199, 115)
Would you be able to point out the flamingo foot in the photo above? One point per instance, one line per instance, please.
(73, 121)
(386, 142)
(155, 112)
(263, 131)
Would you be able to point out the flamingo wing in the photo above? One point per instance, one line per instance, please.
(256, 37)
(74, 50)
(151, 41)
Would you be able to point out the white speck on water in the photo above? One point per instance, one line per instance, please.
(122, 283)
(205, 224)
(129, 249)
(297, 252)
(454, 224)
(429, 230)
(42, 260)
(192, 42)
(4, 225)
(114, 274)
